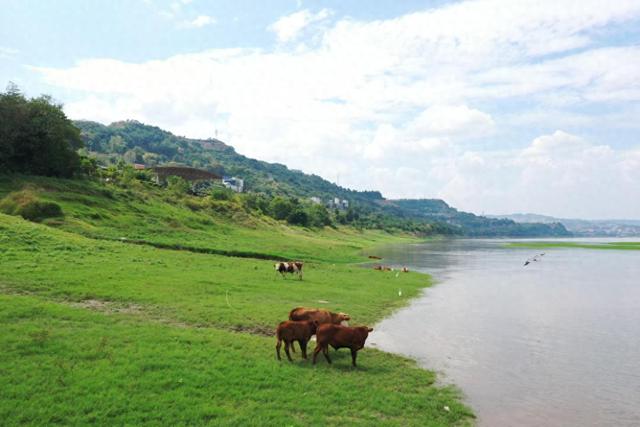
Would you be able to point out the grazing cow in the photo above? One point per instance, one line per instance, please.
(405, 270)
(338, 336)
(290, 331)
(320, 315)
(293, 267)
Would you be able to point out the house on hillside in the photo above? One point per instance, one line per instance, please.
(337, 203)
(235, 184)
(315, 200)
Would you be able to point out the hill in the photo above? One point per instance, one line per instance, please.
(135, 142)
(582, 227)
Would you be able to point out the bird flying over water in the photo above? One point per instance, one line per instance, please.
(534, 259)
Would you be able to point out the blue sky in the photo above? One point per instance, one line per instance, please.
(494, 105)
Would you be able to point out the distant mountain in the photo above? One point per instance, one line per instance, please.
(474, 225)
(135, 142)
(583, 227)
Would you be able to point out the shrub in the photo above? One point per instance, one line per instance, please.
(298, 217)
(177, 186)
(26, 204)
(218, 193)
(280, 208)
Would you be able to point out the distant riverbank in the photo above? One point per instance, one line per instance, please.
(623, 246)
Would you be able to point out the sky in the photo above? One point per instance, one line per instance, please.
(496, 106)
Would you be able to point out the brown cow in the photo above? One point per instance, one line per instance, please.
(338, 336)
(293, 267)
(319, 314)
(290, 331)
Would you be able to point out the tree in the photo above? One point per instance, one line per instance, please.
(36, 137)
(280, 208)
(319, 216)
(298, 216)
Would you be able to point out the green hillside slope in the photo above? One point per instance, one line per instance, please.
(136, 142)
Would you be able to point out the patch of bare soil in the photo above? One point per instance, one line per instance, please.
(254, 330)
(108, 306)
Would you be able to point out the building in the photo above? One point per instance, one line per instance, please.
(186, 173)
(336, 203)
(235, 184)
(315, 200)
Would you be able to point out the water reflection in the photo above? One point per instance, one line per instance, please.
(553, 343)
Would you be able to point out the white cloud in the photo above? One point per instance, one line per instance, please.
(289, 27)
(383, 101)
(457, 120)
(199, 22)
(7, 52)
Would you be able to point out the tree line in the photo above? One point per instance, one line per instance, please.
(36, 137)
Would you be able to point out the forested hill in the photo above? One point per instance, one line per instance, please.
(139, 143)
(135, 142)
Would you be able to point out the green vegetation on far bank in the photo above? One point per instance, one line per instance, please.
(625, 246)
(99, 330)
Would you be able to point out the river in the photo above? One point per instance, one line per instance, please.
(555, 343)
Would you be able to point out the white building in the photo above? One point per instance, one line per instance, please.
(236, 184)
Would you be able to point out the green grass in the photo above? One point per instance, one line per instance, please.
(70, 366)
(107, 332)
(625, 246)
(149, 214)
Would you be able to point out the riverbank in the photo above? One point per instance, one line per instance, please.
(623, 246)
(108, 332)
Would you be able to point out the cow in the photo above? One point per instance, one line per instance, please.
(290, 331)
(318, 314)
(338, 336)
(293, 267)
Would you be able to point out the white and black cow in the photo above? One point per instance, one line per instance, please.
(293, 267)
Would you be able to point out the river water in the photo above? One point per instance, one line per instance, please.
(555, 343)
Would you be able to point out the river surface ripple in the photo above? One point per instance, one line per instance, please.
(555, 343)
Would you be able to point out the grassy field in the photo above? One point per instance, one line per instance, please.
(624, 246)
(150, 214)
(107, 332)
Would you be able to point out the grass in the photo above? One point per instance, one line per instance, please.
(149, 214)
(625, 246)
(106, 332)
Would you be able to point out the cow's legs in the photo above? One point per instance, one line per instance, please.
(303, 348)
(278, 345)
(354, 354)
(316, 351)
(325, 351)
(286, 350)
